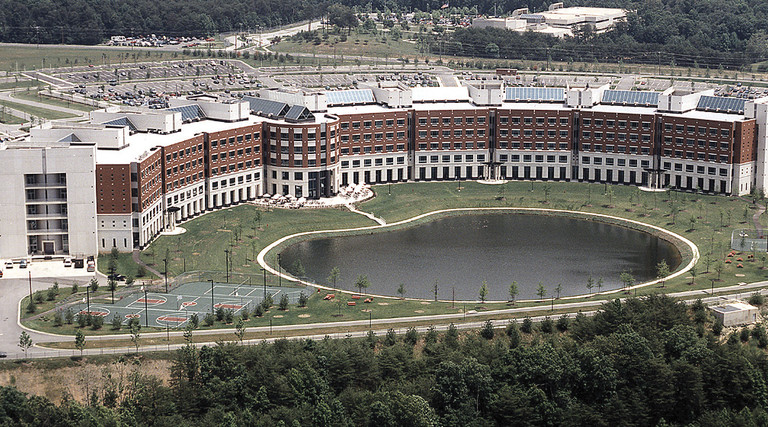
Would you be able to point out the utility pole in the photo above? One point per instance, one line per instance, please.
(165, 274)
(211, 280)
(226, 262)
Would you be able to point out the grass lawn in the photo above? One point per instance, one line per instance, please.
(31, 56)
(356, 45)
(202, 246)
(37, 111)
(125, 266)
(10, 119)
(24, 83)
(42, 97)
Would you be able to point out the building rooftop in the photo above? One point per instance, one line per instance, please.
(733, 306)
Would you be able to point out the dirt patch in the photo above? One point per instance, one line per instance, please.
(278, 316)
(740, 275)
(304, 316)
(425, 303)
(418, 311)
(382, 303)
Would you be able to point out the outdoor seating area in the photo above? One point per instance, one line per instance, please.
(349, 194)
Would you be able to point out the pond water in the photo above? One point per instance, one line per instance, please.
(460, 252)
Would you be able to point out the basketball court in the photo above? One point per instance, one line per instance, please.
(174, 308)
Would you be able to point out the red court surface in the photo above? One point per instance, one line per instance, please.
(151, 301)
(230, 306)
(188, 304)
(171, 319)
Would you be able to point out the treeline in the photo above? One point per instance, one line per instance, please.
(649, 361)
(92, 22)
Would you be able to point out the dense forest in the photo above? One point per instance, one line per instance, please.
(713, 33)
(644, 362)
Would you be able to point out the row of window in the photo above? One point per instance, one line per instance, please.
(231, 140)
(375, 123)
(389, 161)
(610, 123)
(610, 161)
(377, 149)
(699, 169)
(234, 167)
(551, 133)
(376, 136)
(170, 185)
(689, 142)
(701, 130)
(610, 136)
(457, 121)
(457, 133)
(234, 181)
(722, 158)
(240, 152)
(614, 148)
(538, 145)
(455, 144)
(538, 158)
(446, 158)
(186, 152)
(180, 168)
(552, 121)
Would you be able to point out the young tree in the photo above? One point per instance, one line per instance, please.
(513, 291)
(558, 289)
(627, 279)
(483, 291)
(283, 302)
(401, 290)
(693, 274)
(94, 285)
(486, 331)
(303, 299)
(599, 284)
(719, 269)
(590, 284)
(135, 328)
(240, 330)
(541, 291)
(25, 342)
(334, 276)
(112, 286)
(662, 271)
(80, 341)
(117, 323)
(362, 282)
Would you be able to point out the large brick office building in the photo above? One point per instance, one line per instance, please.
(125, 176)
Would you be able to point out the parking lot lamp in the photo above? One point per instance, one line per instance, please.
(211, 280)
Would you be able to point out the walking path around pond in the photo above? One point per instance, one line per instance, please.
(441, 323)
(691, 246)
(352, 208)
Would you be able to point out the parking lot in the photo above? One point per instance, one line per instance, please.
(43, 268)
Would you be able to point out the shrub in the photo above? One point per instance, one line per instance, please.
(284, 302)
(51, 294)
(412, 336)
(57, 318)
(303, 298)
(547, 326)
(229, 316)
(744, 336)
(452, 336)
(513, 332)
(38, 297)
(97, 322)
(756, 299)
(431, 336)
(371, 339)
(74, 288)
(194, 321)
(258, 311)
(82, 320)
(141, 271)
(391, 337)
(69, 316)
(209, 319)
(563, 323)
(717, 328)
(31, 308)
(117, 322)
(527, 326)
(220, 314)
(245, 314)
(487, 331)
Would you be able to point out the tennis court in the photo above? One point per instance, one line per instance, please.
(174, 308)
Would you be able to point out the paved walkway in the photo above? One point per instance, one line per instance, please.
(136, 255)
(352, 208)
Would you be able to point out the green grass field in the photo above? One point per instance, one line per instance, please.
(10, 119)
(37, 111)
(33, 57)
(42, 97)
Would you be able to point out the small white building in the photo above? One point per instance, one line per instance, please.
(735, 313)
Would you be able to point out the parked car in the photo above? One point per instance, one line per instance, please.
(1, 274)
(23, 263)
(9, 264)
(3, 354)
(67, 262)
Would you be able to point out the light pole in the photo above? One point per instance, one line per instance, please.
(211, 280)
(264, 275)
(146, 310)
(226, 262)
(165, 274)
(279, 272)
(87, 299)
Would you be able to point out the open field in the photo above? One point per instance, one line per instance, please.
(37, 111)
(34, 57)
(10, 119)
(42, 97)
